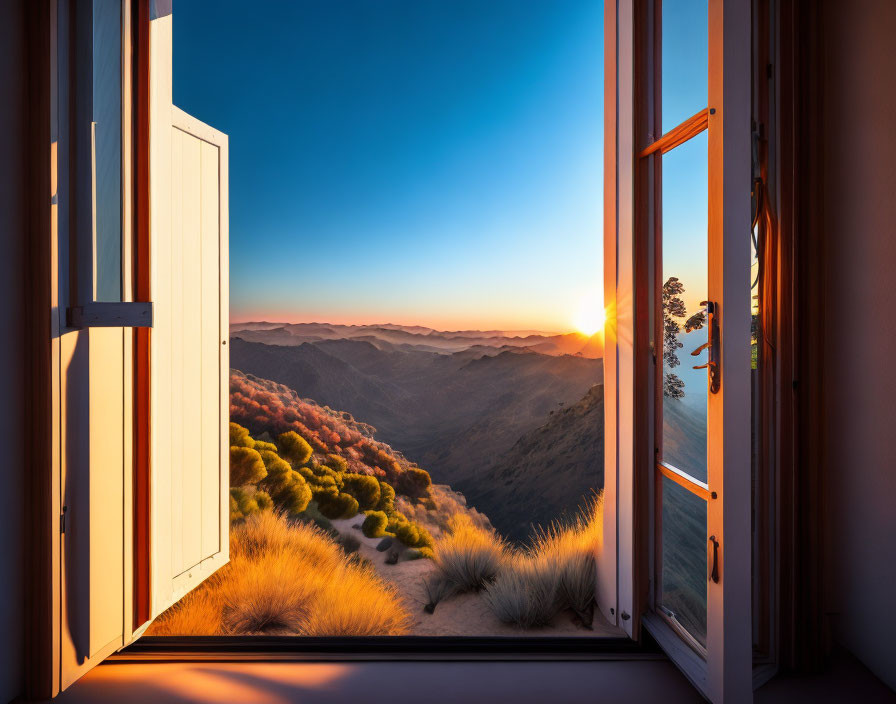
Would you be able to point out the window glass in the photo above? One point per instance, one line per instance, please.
(107, 145)
(685, 59)
(684, 275)
(684, 559)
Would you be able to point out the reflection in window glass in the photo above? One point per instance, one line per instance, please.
(107, 119)
(685, 60)
(684, 271)
(684, 559)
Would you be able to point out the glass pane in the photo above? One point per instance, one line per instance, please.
(685, 59)
(685, 256)
(107, 116)
(684, 559)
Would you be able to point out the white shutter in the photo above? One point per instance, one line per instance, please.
(189, 356)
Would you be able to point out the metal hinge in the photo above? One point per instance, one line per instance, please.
(62, 520)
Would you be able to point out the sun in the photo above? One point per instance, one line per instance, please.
(590, 317)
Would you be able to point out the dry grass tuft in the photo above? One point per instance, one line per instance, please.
(468, 557)
(525, 593)
(286, 578)
(557, 571)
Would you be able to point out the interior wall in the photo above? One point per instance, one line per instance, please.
(12, 430)
(859, 207)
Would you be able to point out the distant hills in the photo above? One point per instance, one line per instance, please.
(389, 336)
(548, 473)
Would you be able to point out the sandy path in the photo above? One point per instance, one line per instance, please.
(461, 615)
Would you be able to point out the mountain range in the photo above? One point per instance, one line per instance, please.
(496, 420)
(389, 336)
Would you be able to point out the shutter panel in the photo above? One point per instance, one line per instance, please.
(189, 358)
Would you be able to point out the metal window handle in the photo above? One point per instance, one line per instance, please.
(714, 559)
(712, 346)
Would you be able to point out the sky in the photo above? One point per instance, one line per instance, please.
(431, 162)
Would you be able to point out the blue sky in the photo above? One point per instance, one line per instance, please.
(431, 162)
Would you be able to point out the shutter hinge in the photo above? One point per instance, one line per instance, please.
(62, 520)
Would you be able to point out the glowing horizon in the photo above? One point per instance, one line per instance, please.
(433, 323)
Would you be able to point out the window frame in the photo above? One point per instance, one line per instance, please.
(727, 670)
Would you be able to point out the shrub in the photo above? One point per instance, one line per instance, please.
(374, 525)
(364, 488)
(469, 557)
(246, 466)
(415, 482)
(413, 535)
(337, 464)
(273, 463)
(263, 445)
(239, 436)
(386, 503)
(395, 520)
(289, 490)
(244, 503)
(294, 447)
(336, 505)
(264, 501)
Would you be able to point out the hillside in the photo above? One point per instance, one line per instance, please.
(268, 409)
(548, 473)
(450, 413)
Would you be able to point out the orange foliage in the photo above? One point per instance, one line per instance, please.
(265, 406)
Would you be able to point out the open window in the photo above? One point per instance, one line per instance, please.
(677, 262)
(144, 506)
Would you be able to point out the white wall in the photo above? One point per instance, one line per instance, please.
(12, 227)
(860, 327)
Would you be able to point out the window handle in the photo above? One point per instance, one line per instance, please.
(712, 345)
(714, 559)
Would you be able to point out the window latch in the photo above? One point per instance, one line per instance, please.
(714, 559)
(712, 346)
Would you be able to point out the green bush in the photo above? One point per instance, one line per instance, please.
(415, 482)
(337, 464)
(264, 501)
(273, 463)
(289, 490)
(235, 514)
(244, 503)
(386, 503)
(374, 525)
(239, 436)
(294, 447)
(396, 518)
(364, 488)
(246, 466)
(263, 445)
(307, 473)
(325, 482)
(418, 553)
(414, 535)
(335, 505)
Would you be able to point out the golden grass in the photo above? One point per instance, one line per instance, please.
(286, 578)
(468, 557)
(557, 571)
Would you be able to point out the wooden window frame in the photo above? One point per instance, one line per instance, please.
(631, 266)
